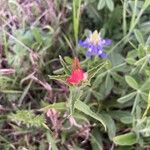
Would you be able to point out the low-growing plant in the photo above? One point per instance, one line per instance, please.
(75, 74)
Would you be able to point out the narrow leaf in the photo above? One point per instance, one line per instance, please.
(58, 106)
(96, 140)
(75, 94)
(139, 36)
(66, 69)
(125, 139)
(131, 82)
(92, 72)
(108, 84)
(146, 86)
(110, 5)
(146, 4)
(148, 106)
(111, 125)
(126, 98)
(61, 78)
(149, 99)
(101, 4)
(86, 109)
(127, 120)
(51, 141)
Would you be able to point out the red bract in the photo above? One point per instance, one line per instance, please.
(77, 74)
(76, 77)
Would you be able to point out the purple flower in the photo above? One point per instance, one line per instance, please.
(95, 44)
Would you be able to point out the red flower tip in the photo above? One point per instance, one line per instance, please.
(76, 64)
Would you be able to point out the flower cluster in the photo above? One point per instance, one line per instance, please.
(95, 44)
(77, 74)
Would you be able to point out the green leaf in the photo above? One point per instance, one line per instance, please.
(144, 129)
(125, 139)
(131, 82)
(76, 17)
(130, 61)
(11, 91)
(37, 35)
(101, 4)
(144, 96)
(136, 102)
(110, 125)
(98, 80)
(68, 60)
(58, 106)
(148, 106)
(127, 119)
(92, 72)
(51, 141)
(25, 92)
(146, 4)
(139, 36)
(75, 94)
(126, 98)
(119, 115)
(149, 99)
(117, 77)
(86, 109)
(61, 78)
(117, 60)
(66, 69)
(96, 140)
(108, 84)
(42, 145)
(110, 4)
(97, 95)
(145, 86)
(147, 44)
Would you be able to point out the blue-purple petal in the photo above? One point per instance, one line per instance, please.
(84, 44)
(88, 54)
(108, 42)
(103, 55)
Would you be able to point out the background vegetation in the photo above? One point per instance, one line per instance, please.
(113, 112)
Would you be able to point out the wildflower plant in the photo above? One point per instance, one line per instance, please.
(76, 79)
